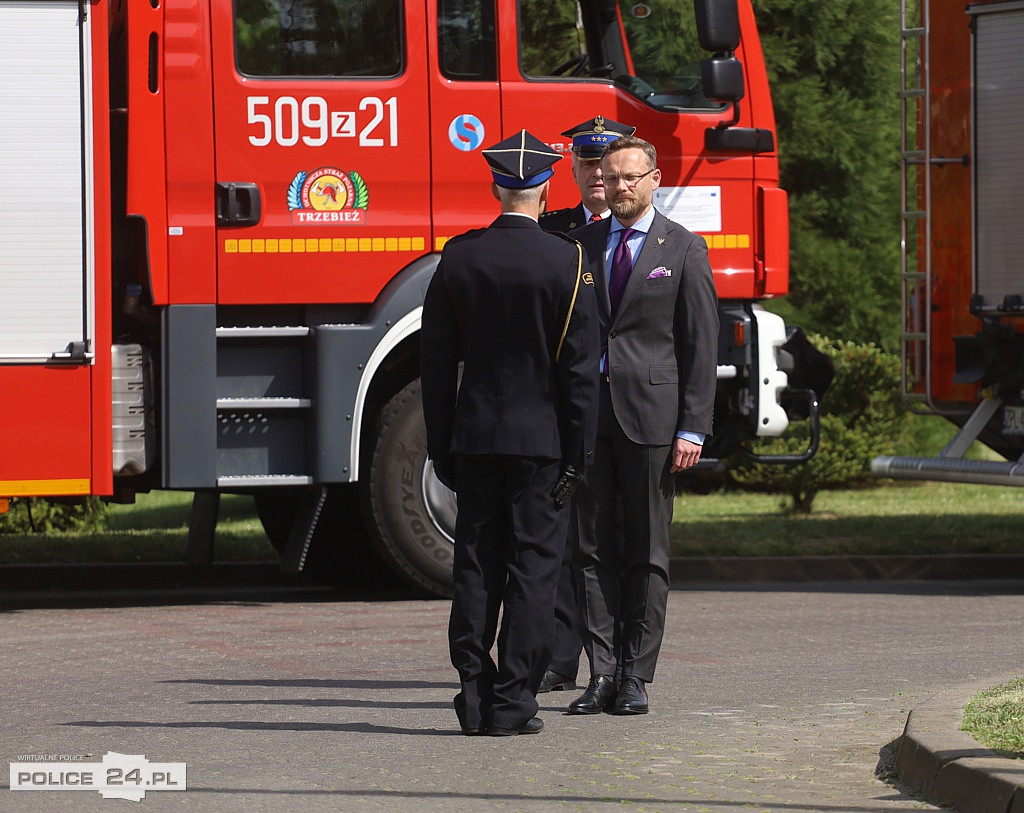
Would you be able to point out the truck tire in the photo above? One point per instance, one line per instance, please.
(413, 514)
(340, 553)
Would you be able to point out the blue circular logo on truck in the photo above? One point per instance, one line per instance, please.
(466, 132)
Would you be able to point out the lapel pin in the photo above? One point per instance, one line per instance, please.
(661, 241)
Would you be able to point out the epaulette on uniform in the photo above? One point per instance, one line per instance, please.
(560, 220)
(555, 213)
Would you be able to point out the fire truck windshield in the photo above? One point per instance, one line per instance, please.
(649, 48)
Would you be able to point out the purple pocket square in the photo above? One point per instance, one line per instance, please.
(661, 271)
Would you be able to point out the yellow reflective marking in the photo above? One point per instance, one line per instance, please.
(727, 240)
(339, 245)
(45, 488)
(326, 245)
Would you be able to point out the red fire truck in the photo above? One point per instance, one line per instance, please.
(218, 221)
(963, 194)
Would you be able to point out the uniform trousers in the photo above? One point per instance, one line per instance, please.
(624, 510)
(509, 543)
(568, 643)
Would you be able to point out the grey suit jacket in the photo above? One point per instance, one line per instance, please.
(662, 345)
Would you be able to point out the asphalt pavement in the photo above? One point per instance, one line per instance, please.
(787, 697)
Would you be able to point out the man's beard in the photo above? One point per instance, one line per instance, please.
(626, 208)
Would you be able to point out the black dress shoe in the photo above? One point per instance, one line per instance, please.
(532, 726)
(600, 694)
(632, 698)
(554, 682)
(472, 732)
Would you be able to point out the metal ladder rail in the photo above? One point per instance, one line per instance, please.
(915, 347)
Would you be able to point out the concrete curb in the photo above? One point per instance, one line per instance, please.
(772, 569)
(949, 767)
(682, 571)
(143, 576)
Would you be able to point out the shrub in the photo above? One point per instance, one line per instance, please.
(862, 416)
(36, 515)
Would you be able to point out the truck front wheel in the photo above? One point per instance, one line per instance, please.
(413, 515)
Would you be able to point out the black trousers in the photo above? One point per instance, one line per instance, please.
(624, 510)
(509, 544)
(568, 642)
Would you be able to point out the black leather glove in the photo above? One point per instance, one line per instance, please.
(444, 470)
(568, 481)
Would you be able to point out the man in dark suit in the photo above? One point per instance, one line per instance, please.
(516, 306)
(589, 138)
(659, 336)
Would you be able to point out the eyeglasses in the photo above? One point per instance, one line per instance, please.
(631, 179)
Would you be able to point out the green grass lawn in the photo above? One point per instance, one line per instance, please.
(995, 718)
(893, 518)
(154, 529)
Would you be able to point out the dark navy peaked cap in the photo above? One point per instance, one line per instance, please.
(590, 137)
(521, 161)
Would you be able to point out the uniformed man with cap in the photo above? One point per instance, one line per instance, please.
(516, 306)
(588, 140)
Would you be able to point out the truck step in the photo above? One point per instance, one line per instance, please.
(258, 332)
(264, 403)
(241, 481)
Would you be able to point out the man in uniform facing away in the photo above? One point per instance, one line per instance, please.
(516, 306)
(659, 335)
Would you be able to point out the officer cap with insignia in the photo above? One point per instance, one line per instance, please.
(590, 137)
(521, 161)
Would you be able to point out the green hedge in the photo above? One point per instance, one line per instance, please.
(36, 515)
(862, 417)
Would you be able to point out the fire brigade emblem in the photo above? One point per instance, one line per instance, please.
(328, 195)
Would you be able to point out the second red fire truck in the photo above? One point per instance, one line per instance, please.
(963, 192)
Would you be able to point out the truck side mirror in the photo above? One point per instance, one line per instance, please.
(718, 24)
(722, 78)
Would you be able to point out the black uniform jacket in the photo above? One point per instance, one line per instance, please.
(564, 220)
(517, 306)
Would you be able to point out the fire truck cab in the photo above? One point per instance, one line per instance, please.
(218, 220)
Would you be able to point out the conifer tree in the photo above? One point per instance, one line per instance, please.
(834, 69)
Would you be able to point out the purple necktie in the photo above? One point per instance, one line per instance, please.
(622, 265)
